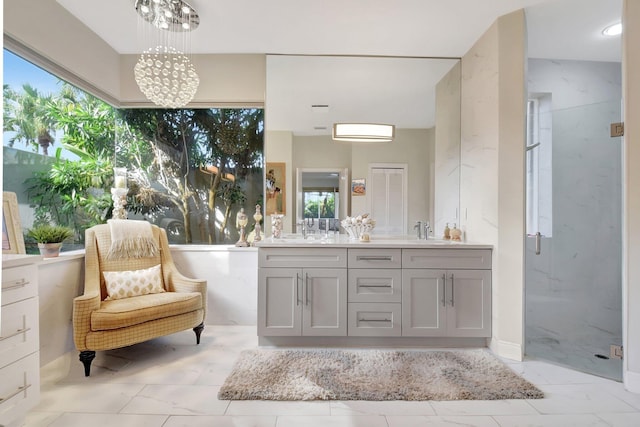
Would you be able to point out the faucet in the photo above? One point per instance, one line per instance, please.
(423, 228)
(304, 228)
(427, 230)
(418, 227)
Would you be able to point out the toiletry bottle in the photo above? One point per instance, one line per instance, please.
(447, 234)
(455, 233)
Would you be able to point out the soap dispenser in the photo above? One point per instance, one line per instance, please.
(447, 231)
(456, 233)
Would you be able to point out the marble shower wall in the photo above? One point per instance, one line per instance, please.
(573, 289)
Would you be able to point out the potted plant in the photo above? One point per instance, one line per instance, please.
(50, 238)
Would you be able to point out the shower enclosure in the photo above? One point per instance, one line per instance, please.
(573, 281)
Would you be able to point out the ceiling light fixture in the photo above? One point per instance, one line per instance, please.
(613, 30)
(164, 73)
(363, 132)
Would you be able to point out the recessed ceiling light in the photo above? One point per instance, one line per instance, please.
(613, 30)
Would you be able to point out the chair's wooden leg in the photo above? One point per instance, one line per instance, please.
(198, 330)
(86, 357)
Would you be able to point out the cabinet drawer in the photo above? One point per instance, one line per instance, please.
(19, 388)
(302, 257)
(375, 319)
(19, 333)
(375, 258)
(19, 283)
(375, 285)
(479, 259)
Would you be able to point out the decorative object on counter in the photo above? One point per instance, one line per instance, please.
(447, 232)
(50, 238)
(358, 226)
(456, 234)
(241, 222)
(257, 217)
(332, 374)
(424, 228)
(119, 193)
(276, 225)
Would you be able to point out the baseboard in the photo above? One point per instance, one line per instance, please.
(506, 349)
(631, 381)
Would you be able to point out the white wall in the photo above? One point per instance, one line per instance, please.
(492, 168)
(631, 226)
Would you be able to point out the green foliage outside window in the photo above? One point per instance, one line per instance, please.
(189, 170)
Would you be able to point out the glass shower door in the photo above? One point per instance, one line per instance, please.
(573, 282)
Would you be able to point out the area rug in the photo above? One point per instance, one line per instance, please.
(330, 374)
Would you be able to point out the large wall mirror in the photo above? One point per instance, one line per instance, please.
(306, 95)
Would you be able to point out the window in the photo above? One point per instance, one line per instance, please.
(189, 170)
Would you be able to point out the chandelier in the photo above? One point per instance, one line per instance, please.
(164, 73)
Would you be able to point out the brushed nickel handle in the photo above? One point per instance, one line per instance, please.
(15, 284)
(15, 393)
(444, 289)
(306, 278)
(375, 286)
(452, 290)
(18, 332)
(298, 279)
(538, 242)
(374, 320)
(374, 258)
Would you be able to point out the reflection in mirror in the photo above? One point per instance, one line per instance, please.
(321, 199)
(306, 95)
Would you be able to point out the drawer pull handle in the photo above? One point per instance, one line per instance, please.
(298, 279)
(306, 279)
(375, 286)
(374, 320)
(16, 333)
(444, 288)
(15, 393)
(15, 285)
(374, 258)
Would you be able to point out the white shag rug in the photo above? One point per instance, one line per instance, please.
(330, 374)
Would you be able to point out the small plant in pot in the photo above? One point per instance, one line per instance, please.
(50, 238)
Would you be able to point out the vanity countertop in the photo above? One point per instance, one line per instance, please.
(343, 241)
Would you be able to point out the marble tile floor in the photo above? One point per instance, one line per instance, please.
(171, 382)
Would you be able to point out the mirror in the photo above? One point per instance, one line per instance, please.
(306, 95)
(322, 196)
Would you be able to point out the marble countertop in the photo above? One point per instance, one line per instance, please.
(343, 241)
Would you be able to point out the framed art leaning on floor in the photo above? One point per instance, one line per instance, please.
(12, 239)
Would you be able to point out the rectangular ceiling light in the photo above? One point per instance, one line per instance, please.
(363, 132)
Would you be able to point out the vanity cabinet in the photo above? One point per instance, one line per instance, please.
(302, 292)
(446, 292)
(19, 339)
(370, 292)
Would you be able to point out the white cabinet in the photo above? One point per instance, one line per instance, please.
(302, 299)
(19, 340)
(453, 300)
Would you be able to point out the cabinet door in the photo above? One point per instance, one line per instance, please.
(325, 302)
(423, 303)
(279, 301)
(468, 303)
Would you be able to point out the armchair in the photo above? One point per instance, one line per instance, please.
(102, 322)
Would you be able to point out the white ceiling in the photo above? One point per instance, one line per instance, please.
(559, 29)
